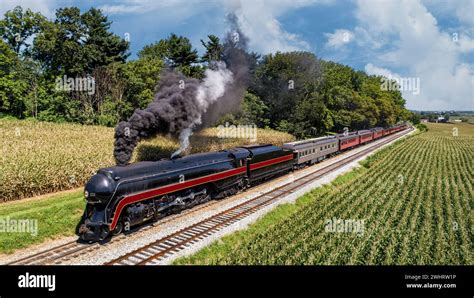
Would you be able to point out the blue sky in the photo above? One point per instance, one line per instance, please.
(428, 40)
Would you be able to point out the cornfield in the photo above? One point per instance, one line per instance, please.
(414, 200)
(40, 157)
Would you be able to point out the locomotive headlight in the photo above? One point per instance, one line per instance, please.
(86, 194)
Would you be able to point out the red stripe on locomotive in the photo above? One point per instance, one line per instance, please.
(270, 162)
(194, 182)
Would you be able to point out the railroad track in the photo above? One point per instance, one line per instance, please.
(67, 251)
(162, 248)
(73, 249)
(50, 254)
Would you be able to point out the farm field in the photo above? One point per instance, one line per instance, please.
(412, 200)
(42, 157)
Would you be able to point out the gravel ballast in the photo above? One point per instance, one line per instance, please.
(169, 225)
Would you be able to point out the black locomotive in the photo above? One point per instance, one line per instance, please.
(123, 196)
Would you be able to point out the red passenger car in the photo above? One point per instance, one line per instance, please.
(365, 136)
(378, 132)
(348, 141)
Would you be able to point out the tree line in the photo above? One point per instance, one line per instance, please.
(294, 92)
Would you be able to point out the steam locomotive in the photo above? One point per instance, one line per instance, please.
(121, 197)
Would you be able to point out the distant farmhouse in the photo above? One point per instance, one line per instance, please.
(446, 116)
(439, 119)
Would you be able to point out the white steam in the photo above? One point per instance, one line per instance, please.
(213, 86)
(183, 141)
(211, 89)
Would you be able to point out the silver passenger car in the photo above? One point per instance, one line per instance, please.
(313, 150)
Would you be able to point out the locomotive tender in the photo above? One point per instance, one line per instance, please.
(124, 196)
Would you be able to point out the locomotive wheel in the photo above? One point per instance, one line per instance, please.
(157, 216)
(118, 229)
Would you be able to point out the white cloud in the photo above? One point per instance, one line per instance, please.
(466, 44)
(420, 49)
(258, 20)
(144, 6)
(364, 38)
(465, 12)
(121, 8)
(380, 71)
(460, 9)
(166, 12)
(339, 38)
(45, 7)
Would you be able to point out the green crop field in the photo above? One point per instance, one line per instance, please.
(41, 157)
(413, 202)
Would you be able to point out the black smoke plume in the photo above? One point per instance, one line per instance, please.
(237, 60)
(183, 105)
